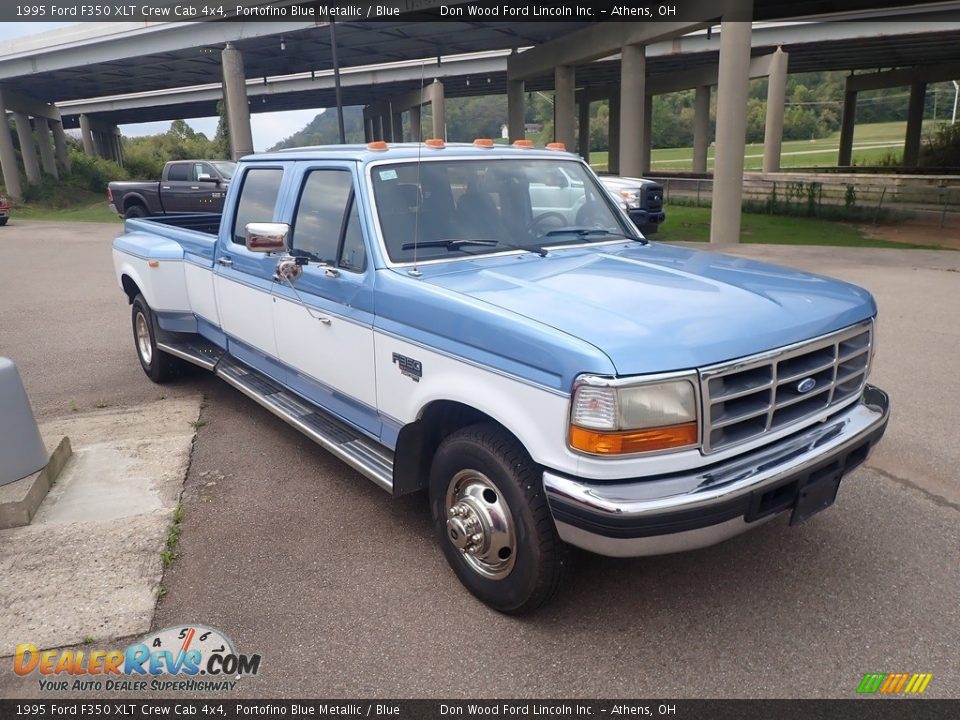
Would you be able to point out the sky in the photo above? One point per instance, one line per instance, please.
(268, 128)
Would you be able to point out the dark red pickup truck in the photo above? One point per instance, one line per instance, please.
(186, 186)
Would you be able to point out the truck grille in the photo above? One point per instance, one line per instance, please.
(751, 396)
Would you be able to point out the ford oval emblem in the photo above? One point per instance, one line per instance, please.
(806, 385)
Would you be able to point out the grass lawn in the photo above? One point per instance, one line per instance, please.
(871, 143)
(692, 224)
(71, 205)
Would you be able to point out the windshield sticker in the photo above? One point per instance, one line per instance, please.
(388, 174)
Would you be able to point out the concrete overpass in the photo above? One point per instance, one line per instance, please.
(927, 48)
(561, 55)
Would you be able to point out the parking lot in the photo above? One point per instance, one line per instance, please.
(344, 593)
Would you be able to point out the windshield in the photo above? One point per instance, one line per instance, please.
(478, 207)
(226, 169)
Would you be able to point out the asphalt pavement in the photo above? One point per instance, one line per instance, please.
(343, 592)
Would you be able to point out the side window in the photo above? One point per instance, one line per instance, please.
(318, 226)
(353, 256)
(202, 169)
(258, 199)
(179, 172)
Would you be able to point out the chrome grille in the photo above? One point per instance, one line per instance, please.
(746, 398)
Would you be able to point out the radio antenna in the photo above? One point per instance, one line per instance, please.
(415, 272)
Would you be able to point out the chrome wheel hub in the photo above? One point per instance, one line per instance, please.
(479, 524)
(142, 331)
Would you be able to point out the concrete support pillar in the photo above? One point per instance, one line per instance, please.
(397, 127)
(378, 130)
(911, 145)
(387, 125)
(516, 110)
(583, 130)
(701, 128)
(416, 131)
(60, 142)
(437, 110)
(8, 156)
(847, 122)
(46, 147)
(633, 95)
(647, 136)
(235, 100)
(563, 105)
(776, 99)
(613, 135)
(367, 127)
(87, 135)
(118, 145)
(28, 151)
(732, 91)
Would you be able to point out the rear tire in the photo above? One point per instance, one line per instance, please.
(158, 365)
(492, 521)
(3, 221)
(135, 211)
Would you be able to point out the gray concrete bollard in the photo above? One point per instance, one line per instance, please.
(21, 448)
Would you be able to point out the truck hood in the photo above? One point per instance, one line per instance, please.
(654, 308)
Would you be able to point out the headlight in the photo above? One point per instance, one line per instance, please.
(631, 198)
(611, 419)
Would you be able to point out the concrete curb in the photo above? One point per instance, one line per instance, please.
(19, 500)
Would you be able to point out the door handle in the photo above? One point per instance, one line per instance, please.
(194, 187)
(227, 262)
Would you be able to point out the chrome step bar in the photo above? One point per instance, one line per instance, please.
(363, 454)
(196, 350)
(366, 456)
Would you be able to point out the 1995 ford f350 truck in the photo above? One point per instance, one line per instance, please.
(440, 317)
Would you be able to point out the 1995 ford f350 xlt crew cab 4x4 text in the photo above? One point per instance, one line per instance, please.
(449, 318)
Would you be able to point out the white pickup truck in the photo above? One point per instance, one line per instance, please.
(454, 318)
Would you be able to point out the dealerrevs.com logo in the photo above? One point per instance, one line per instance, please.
(182, 658)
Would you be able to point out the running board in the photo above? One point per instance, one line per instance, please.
(194, 350)
(364, 455)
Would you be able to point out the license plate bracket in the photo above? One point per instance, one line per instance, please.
(816, 495)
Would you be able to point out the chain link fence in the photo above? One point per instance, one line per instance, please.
(930, 201)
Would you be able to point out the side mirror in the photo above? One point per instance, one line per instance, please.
(267, 237)
(207, 177)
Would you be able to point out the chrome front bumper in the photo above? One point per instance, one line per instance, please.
(623, 519)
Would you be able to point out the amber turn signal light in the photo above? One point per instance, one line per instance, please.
(377, 146)
(526, 144)
(435, 143)
(556, 146)
(633, 441)
(483, 143)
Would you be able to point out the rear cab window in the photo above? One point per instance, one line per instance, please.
(258, 200)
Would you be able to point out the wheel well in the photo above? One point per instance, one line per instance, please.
(129, 287)
(130, 201)
(418, 441)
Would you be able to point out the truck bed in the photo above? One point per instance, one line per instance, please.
(207, 223)
(196, 234)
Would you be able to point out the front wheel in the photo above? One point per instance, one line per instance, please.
(3, 221)
(491, 518)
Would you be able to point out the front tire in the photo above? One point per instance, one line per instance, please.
(492, 520)
(158, 365)
(3, 221)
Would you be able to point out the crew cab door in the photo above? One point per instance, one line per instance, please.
(176, 187)
(324, 322)
(184, 192)
(243, 280)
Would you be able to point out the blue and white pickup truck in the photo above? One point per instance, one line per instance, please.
(452, 318)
